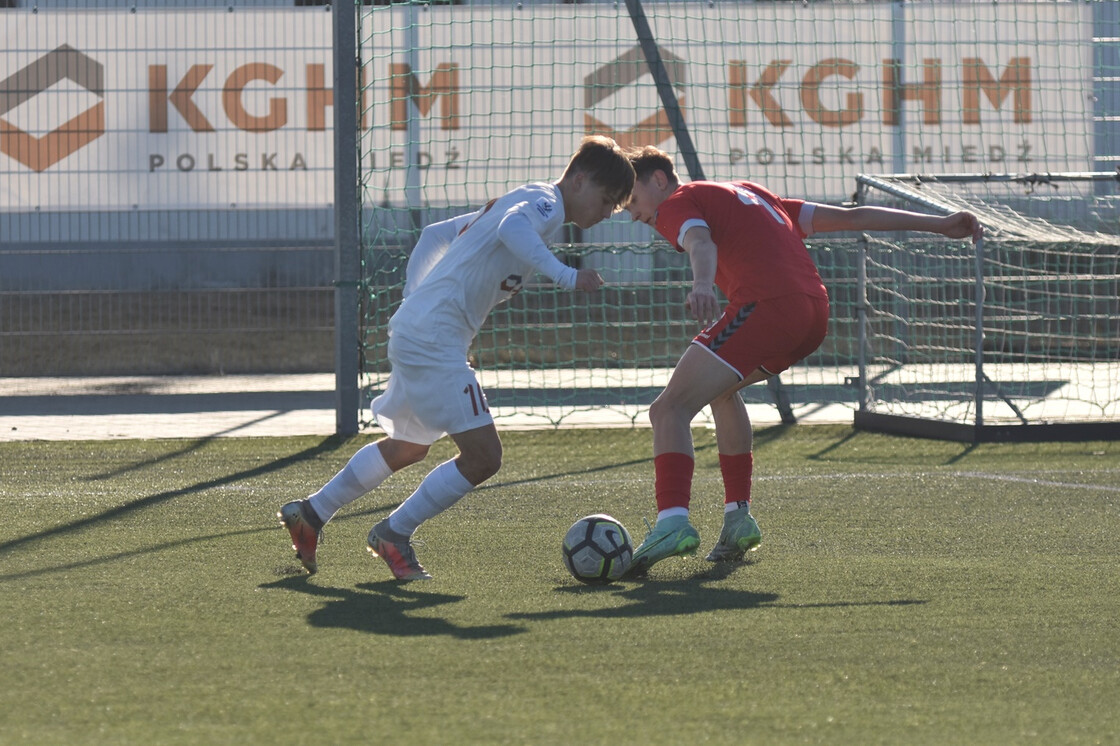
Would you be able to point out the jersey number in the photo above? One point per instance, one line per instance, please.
(747, 197)
(478, 400)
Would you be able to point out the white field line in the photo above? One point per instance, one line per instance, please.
(959, 474)
(587, 479)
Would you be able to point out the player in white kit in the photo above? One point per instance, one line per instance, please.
(460, 269)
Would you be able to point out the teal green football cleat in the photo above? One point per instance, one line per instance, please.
(670, 537)
(740, 535)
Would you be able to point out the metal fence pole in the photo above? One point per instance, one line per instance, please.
(862, 308)
(978, 340)
(347, 244)
(898, 65)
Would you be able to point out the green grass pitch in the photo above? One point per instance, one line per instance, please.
(906, 591)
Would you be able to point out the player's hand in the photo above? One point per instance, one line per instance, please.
(588, 280)
(962, 225)
(703, 304)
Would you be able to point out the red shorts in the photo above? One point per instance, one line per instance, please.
(771, 334)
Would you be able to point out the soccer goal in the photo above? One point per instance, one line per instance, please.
(1014, 339)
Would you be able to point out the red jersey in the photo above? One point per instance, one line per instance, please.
(761, 253)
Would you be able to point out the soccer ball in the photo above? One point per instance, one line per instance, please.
(597, 549)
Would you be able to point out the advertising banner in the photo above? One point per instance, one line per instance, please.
(210, 109)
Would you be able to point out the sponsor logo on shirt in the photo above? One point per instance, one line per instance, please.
(544, 207)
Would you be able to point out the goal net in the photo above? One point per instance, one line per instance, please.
(1016, 338)
(461, 101)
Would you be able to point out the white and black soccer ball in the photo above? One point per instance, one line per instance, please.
(597, 549)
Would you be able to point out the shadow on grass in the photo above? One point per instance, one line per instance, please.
(190, 447)
(388, 608)
(326, 445)
(825, 453)
(674, 597)
(965, 452)
(651, 597)
(772, 434)
(153, 549)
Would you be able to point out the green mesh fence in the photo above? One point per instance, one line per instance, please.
(550, 356)
(461, 103)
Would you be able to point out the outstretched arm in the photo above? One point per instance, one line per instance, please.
(827, 219)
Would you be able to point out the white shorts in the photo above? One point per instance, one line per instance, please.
(428, 396)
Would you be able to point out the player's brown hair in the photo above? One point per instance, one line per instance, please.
(648, 159)
(608, 165)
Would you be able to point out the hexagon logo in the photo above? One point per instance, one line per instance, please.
(62, 64)
(616, 76)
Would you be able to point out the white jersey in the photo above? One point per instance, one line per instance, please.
(494, 251)
(434, 241)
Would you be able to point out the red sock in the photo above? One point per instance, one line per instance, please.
(737, 470)
(673, 480)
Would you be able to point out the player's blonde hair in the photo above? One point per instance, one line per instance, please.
(608, 165)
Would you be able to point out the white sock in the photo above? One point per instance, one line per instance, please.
(441, 489)
(365, 470)
(670, 512)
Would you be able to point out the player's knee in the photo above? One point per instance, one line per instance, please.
(493, 462)
(730, 400)
(416, 454)
(663, 410)
(492, 465)
(480, 465)
(399, 454)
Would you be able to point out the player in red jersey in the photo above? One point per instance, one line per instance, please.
(748, 242)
